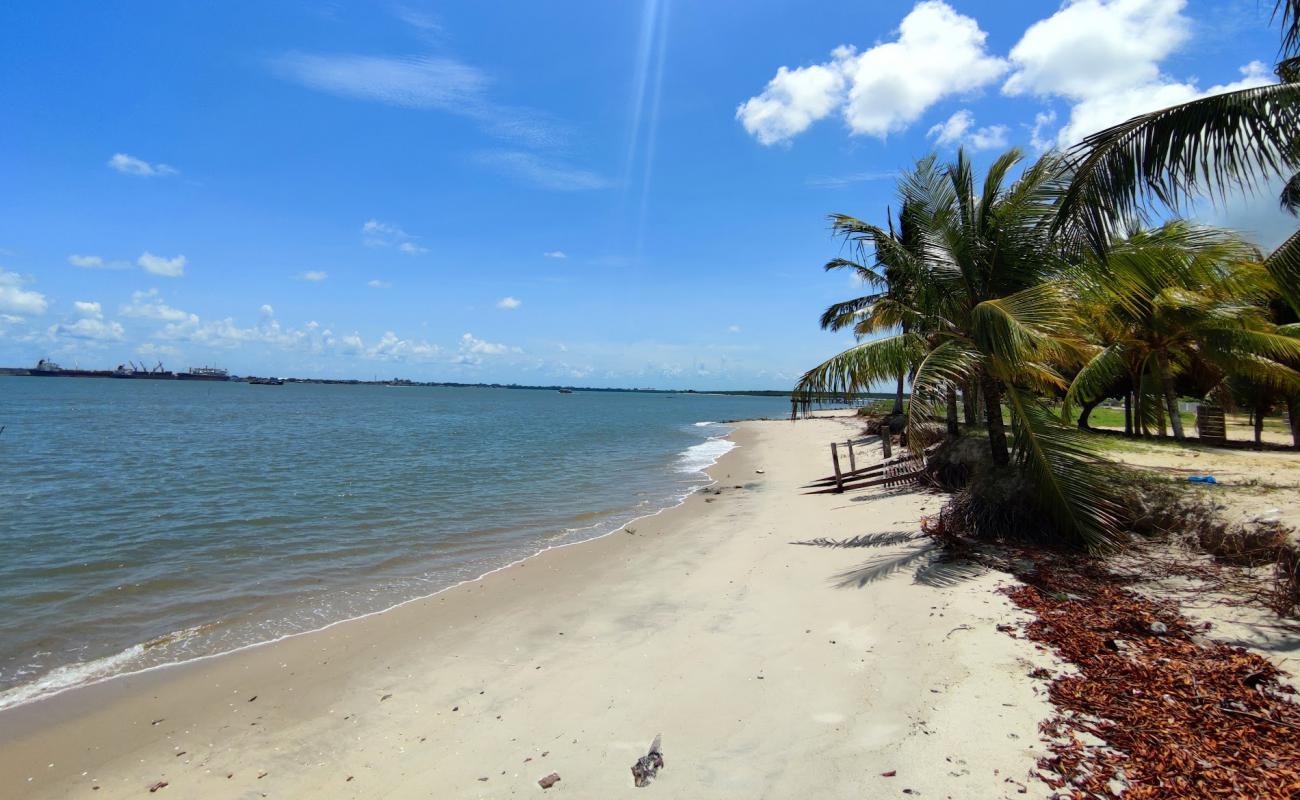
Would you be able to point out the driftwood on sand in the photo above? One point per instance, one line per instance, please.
(645, 768)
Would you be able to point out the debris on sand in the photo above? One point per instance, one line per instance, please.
(549, 780)
(645, 768)
(1179, 716)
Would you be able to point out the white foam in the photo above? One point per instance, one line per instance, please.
(71, 675)
(705, 424)
(704, 455)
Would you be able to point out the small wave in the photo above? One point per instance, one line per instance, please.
(704, 455)
(704, 424)
(71, 675)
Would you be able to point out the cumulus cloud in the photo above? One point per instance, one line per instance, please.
(937, 53)
(85, 308)
(959, 129)
(471, 345)
(555, 254)
(1103, 56)
(313, 275)
(509, 303)
(16, 300)
(130, 165)
(90, 325)
(158, 265)
(150, 305)
(378, 284)
(89, 329)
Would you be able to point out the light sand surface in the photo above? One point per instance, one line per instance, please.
(771, 669)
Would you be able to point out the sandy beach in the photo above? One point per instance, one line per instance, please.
(771, 669)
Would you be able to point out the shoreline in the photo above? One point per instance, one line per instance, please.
(660, 639)
(38, 696)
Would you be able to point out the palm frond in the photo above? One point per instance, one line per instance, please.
(1231, 140)
(1096, 377)
(1075, 485)
(856, 369)
(1284, 265)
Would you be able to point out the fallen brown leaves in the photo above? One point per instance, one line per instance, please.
(1180, 716)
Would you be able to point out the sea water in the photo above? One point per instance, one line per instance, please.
(151, 522)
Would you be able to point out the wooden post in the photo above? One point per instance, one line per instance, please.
(835, 459)
(885, 442)
(853, 462)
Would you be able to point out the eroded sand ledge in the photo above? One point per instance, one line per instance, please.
(771, 669)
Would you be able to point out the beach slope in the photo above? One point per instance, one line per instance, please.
(771, 638)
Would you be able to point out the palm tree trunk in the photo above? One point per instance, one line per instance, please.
(954, 428)
(969, 401)
(1128, 413)
(993, 420)
(1085, 411)
(1171, 396)
(1258, 414)
(1293, 411)
(898, 396)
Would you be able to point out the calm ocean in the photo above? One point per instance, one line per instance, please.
(147, 522)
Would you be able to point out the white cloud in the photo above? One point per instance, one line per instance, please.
(959, 129)
(130, 165)
(509, 303)
(86, 308)
(555, 254)
(151, 350)
(91, 330)
(842, 181)
(313, 275)
(733, 329)
(149, 305)
(95, 262)
(884, 89)
(470, 345)
(88, 262)
(1094, 47)
(378, 284)
(158, 265)
(529, 167)
(419, 82)
(387, 234)
(14, 299)
(1103, 56)
(266, 310)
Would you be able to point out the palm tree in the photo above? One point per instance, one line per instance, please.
(996, 317)
(1173, 299)
(897, 267)
(1225, 141)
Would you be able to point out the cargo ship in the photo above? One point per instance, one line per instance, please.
(141, 372)
(203, 374)
(46, 368)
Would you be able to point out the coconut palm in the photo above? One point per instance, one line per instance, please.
(997, 317)
(895, 273)
(1214, 144)
(1177, 298)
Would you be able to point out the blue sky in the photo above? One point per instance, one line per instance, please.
(588, 192)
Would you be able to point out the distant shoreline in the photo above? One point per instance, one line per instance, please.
(24, 372)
